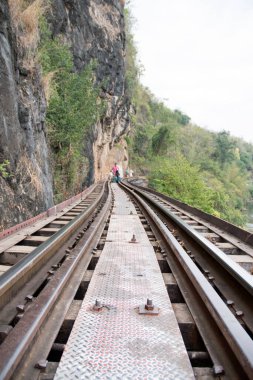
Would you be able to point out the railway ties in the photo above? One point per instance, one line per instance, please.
(37, 291)
(234, 242)
(20, 244)
(126, 327)
(130, 295)
(196, 263)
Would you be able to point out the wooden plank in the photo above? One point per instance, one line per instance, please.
(245, 261)
(67, 217)
(4, 268)
(73, 310)
(88, 274)
(50, 229)
(61, 222)
(20, 249)
(241, 258)
(169, 278)
(37, 238)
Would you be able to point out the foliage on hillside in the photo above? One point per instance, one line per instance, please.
(211, 171)
(73, 106)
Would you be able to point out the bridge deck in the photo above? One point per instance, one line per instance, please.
(117, 342)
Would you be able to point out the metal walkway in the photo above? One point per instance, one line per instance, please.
(117, 342)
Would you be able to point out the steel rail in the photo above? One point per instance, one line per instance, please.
(239, 341)
(245, 236)
(15, 346)
(242, 276)
(13, 279)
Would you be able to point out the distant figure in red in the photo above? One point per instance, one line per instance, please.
(116, 173)
(115, 169)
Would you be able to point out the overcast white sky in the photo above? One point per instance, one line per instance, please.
(198, 54)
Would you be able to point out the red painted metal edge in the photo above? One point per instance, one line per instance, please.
(51, 211)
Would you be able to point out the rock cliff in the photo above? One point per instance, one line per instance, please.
(93, 29)
(28, 188)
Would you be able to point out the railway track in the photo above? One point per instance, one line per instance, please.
(211, 294)
(221, 290)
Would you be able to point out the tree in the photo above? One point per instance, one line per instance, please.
(162, 139)
(182, 118)
(224, 148)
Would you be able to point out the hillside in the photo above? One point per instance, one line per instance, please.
(211, 171)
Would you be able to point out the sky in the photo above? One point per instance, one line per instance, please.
(198, 57)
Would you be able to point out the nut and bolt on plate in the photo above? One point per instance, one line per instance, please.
(148, 308)
(133, 240)
(97, 306)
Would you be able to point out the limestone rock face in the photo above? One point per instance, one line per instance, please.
(28, 189)
(95, 31)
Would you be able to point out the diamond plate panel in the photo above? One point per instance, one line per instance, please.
(117, 342)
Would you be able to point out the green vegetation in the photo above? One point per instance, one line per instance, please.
(73, 107)
(4, 169)
(210, 171)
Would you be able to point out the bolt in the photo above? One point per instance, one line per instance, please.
(133, 240)
(20, 308)
(218, 370)
(230, 302)
(51, 272)
(97, 306)
(239, 313)
(206, 271)
(29, 298)
(42, 365)
(211, 278)
(149, 305)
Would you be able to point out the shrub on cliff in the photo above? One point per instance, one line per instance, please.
(73, 107)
